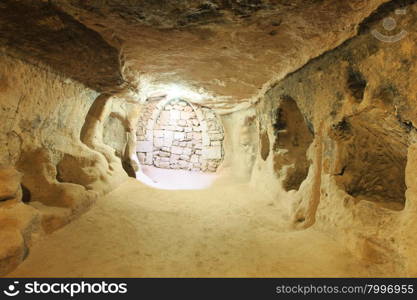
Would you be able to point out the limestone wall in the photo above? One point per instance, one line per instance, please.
(53, 162)
(178, 135)
(240, 143)
(347, 166)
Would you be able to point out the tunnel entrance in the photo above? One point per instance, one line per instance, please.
(178, 135)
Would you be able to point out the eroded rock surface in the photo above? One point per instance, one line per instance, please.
(358, 103)
(50, 175)
(200, 44)
(37, 31)
(19, 223)
(330, 135)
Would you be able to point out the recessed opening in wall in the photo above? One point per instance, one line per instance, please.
(292, 140)
(179, 143)
(26, 195)
(356, 84)
(371, 157)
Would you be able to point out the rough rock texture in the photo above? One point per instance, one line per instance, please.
(356, 115)
(240, 143)
(333, 142)
(19, 223)
(38, 32)
(200, 44)
(292, 139)
(174, 134)
(119, 132)
(50, 134)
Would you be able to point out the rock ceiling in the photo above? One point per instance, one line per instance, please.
(233, 50)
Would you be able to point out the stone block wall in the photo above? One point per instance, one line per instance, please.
(175, 134)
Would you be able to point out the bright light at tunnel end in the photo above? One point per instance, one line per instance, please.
(149, 88)
(174, 91)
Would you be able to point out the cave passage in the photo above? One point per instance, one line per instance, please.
(208, 138)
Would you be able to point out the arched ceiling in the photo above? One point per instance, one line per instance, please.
(231, 50)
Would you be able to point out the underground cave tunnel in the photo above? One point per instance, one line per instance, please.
(208, 138)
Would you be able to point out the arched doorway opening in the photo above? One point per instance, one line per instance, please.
(177, 135)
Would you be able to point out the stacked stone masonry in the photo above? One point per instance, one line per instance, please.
(178, 135)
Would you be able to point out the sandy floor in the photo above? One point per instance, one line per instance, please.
(226, 230)
(167, 179)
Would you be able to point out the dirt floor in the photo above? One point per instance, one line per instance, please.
(167, 179)
(227, 230)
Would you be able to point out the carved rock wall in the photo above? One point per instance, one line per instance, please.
(357, 151)
(54, 163)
